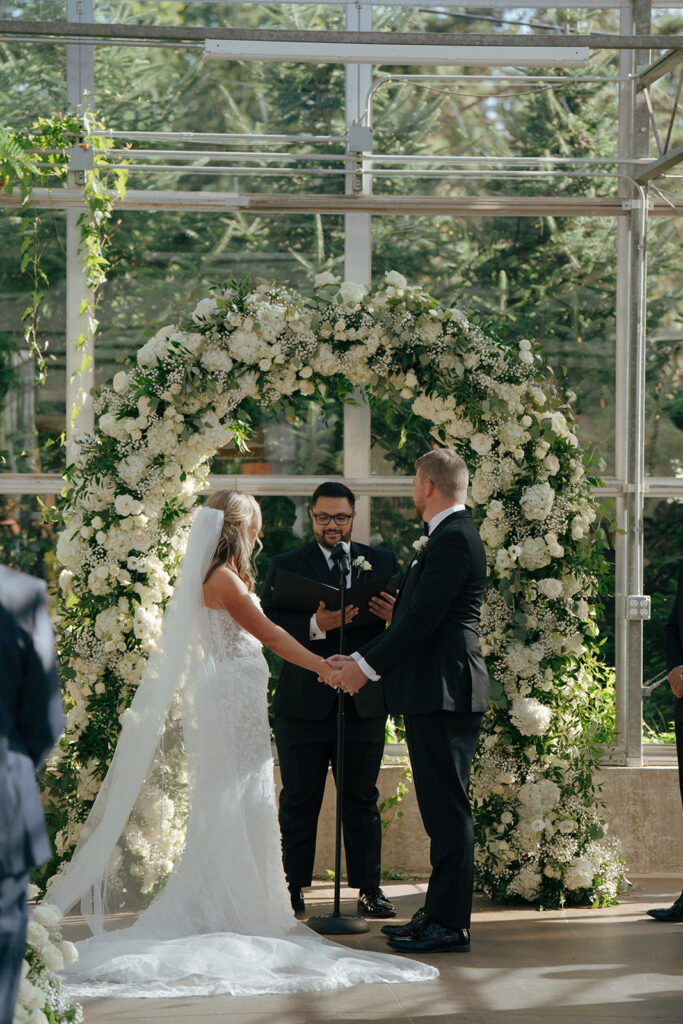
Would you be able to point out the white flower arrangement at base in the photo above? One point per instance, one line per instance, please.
(41, 991)
(137, 477)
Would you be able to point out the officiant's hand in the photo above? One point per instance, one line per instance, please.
(350, 676)
(328, 619)
(675, 678)
(382, 605)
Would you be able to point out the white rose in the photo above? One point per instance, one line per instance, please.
(481, 443)
(552, 464)
(65, 581)
(550, 587)
(396, 280)
(352, 293)
(126, 505)
(120, 382)
(68, 951)
(325, 278)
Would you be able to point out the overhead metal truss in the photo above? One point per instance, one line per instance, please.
(670, 63)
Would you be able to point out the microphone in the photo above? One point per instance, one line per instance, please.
(340, 556)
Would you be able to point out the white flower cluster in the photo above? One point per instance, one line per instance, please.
(41, 990)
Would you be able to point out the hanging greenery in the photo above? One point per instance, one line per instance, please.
(40, 156)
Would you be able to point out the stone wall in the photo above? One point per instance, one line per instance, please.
(643, 810)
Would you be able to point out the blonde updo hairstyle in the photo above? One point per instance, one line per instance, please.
(239, 513)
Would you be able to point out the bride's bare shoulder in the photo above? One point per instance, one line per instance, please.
(223, 588)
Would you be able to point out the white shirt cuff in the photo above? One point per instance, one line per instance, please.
(364, 667)
(314, 630)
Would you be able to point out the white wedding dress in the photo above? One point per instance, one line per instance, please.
(222, 922)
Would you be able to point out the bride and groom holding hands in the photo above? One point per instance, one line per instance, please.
(223, 920)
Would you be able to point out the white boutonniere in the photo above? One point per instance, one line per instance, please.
(420, 543)
(361, 564)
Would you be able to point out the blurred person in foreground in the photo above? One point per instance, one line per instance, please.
(31, 722)
(674, 666)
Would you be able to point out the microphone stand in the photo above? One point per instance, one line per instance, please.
(337, 923)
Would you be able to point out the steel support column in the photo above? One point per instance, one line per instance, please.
(80, 345)
(630, 391)
(357, 265)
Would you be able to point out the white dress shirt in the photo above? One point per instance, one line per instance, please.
(366, 669)
(315, 632)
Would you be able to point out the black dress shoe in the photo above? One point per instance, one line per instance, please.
(297, 898)
(672, 913)
(373, 903)
(399, 930)
(433, 938)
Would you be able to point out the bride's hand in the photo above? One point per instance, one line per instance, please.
(328, 674)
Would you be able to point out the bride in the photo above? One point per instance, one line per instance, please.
(195, 745)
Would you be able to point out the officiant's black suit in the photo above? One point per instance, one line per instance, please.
(30, 723)
(305, 730)
(431, 662)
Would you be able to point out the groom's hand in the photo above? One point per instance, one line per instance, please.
(328, 619)
(350, 677)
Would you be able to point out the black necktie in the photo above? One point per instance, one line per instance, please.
(425, 527)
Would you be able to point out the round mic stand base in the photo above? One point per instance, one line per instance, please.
(338, 924)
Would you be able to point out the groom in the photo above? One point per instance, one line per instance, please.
(434, 675)
(306, 710)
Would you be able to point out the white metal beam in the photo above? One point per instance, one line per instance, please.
(395, 53)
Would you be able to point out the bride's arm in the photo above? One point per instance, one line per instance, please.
(225, 589)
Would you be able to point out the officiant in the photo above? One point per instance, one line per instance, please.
(306, 710)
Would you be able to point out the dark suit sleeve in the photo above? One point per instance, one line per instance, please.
(447, 564)
(296, 623)
(40, 720)
(673, 628)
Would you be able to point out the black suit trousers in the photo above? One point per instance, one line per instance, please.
(305, 749)
(441, 746)
(13, 920)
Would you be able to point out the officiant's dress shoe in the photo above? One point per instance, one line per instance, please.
(297, 898)
(672, 913)
(433, 938)
(373, 903)
(399, 930)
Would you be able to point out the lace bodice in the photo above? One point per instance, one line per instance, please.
(229, 640)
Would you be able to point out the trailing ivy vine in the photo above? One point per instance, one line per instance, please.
(39, 156)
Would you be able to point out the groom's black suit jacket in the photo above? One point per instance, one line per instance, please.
(674, 641)
(298, 693)
(430, 657)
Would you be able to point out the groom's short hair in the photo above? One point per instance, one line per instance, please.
(333, 489)
(447, 471)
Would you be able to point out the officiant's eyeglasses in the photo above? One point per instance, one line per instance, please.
(341, 519)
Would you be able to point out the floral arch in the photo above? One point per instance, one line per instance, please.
(137, 478)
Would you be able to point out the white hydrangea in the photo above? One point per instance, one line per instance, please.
(538, 797)
(534, 553)
(530, 716)
(526, 883)
(537, 501)
(579, 874)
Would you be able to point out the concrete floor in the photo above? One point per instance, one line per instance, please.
(559, 967)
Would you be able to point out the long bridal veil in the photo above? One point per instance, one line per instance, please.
(132, 832)
(184, 829)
